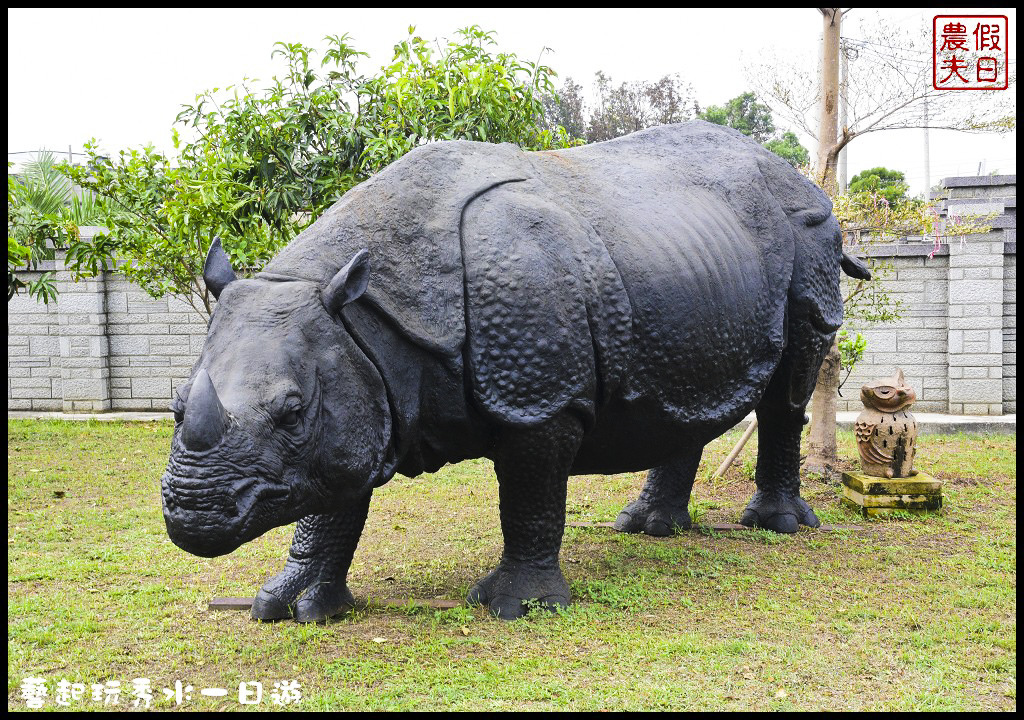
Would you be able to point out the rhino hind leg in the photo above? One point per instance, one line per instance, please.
(533, 470)
(312, 586)
(663, 506)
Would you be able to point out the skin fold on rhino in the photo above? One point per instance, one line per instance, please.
(602, 309)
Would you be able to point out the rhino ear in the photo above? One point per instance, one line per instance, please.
(217, 273)
(349, 283)
(854, 267)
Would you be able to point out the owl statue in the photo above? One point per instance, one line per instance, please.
(886, 430)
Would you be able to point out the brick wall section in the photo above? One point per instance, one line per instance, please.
(107, 345)
(977, 293)
(154, 344)
(33, 354)
(83, 341)
(976, 327)
(918, 342)
(1010, 328)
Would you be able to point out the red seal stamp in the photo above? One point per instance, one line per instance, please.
(970, 52)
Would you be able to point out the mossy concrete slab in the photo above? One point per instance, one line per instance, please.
(875, 496)
(918, 484)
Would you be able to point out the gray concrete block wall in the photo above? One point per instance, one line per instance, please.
(978, 295)
(83, 342)
(105, 345)
(918, 342)
(33, 354)
(154, 344)
(976, 326)
(1010, 331)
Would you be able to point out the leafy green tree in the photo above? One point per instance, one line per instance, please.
(161, 218)
(745, 114)
(43, 213)
(787, 146)
(755, 120)
(465, 92)
(265, 164)
(888, 184)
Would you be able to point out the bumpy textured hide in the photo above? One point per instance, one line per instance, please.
(549, 318)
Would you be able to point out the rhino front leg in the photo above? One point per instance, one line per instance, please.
(777, 504)
(312, 587)
(533, 469)
(663, 506)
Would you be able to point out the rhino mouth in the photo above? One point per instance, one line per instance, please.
(212, 521)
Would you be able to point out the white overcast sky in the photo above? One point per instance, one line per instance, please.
(122, 75)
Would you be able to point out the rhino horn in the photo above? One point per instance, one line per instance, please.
(205, 417)
(349, 283)
(217, 272)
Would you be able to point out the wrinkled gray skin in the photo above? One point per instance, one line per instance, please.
(602, 309)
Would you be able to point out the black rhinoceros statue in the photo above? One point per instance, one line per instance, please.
(602, 309)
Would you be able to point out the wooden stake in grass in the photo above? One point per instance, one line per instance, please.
(720, 472)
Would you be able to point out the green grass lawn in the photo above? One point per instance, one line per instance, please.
(913, 614)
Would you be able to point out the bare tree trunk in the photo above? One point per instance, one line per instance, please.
(828, 126)
(843, 97)
(822, 450)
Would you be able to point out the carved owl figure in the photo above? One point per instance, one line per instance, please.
(886, 431)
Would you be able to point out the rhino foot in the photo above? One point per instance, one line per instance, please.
(779, 512)
(516, 586)
(657, 520)
(304, 591)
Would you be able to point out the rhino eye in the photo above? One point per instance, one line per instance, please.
(290, 419)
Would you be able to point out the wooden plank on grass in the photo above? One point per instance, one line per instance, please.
(231, 603)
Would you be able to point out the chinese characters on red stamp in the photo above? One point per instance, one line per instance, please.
(970, 52)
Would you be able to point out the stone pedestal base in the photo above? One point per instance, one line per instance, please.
(877, 496)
